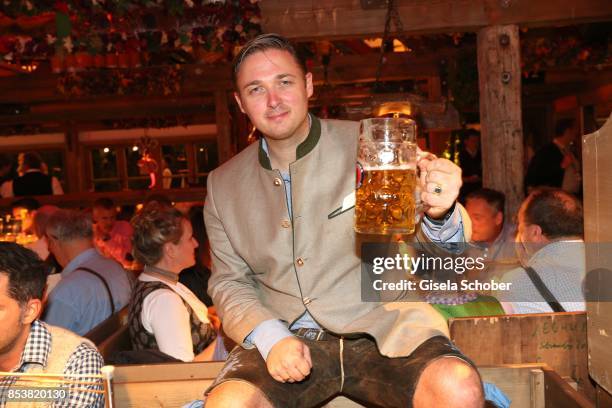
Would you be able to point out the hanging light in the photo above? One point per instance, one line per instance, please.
(400, 107)
(395, 108)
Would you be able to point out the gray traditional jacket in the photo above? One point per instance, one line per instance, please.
(268, 266)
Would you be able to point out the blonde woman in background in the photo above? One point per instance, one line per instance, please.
(163, 314)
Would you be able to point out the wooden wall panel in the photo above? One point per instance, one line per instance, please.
(559, 340)
(597, 184)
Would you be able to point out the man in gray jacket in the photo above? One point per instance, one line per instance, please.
(286, 276)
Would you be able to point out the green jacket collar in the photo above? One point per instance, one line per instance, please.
(302, 150)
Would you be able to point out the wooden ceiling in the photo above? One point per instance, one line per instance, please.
(332, 19)
(435, 31)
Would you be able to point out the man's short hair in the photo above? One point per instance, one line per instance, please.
(196, 217)
(266, 42)
(41, 219)
(27, 273)
(104, 202)
(28, 203)
(154, 226)
(496, 199)
(557, 212)
(157, 198)
(69, 225)
(563, 125)
(32, 160)
(471, 132)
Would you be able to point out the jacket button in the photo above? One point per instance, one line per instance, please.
(285, 223)
(306, 301)
(299, 261)
(278, 182)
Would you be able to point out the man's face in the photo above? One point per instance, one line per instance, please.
(273, 91)
(103, 219)
(473, 142)
(11, 318)
(26, 216)
(570, 135)
(487, 222)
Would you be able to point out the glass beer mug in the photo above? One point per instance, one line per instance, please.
(386, 176)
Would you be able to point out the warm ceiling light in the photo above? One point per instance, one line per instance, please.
(393, 108)
(373, 42)
(29, 68)
(106, 150)
(398, 46)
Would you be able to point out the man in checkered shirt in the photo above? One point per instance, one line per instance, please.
(28, 345)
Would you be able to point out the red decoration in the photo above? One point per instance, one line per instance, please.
(62, 7)
(148, 165)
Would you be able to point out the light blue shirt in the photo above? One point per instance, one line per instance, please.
(270, 332)
(79, 301)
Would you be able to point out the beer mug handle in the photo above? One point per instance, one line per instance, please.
(421, 207)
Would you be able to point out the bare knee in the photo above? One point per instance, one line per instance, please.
(237, 394)
(449, 382)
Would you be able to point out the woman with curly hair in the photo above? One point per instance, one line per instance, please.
(163, 314)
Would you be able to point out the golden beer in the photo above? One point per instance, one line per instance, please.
(385, 201)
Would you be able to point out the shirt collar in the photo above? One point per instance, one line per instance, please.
(79, 260)
(505, 235)
(159, 272)
(501, 239)
(37, 346)
(554, 249)
(302, 150)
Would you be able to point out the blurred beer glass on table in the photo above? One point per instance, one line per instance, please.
(386, 176)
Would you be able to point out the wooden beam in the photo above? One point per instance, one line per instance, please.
(225, 145)
(398, 66)
(41, 86)
(312, 19)
(86, 199)
(601, 74)
(74, 160)
(122, 168)
(499, 77)
(125, 108)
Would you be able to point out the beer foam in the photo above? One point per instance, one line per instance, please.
(403, 166)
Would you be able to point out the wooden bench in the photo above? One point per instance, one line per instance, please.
(173, 385)
(118, 341)
(557, 339)
(108, 327)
